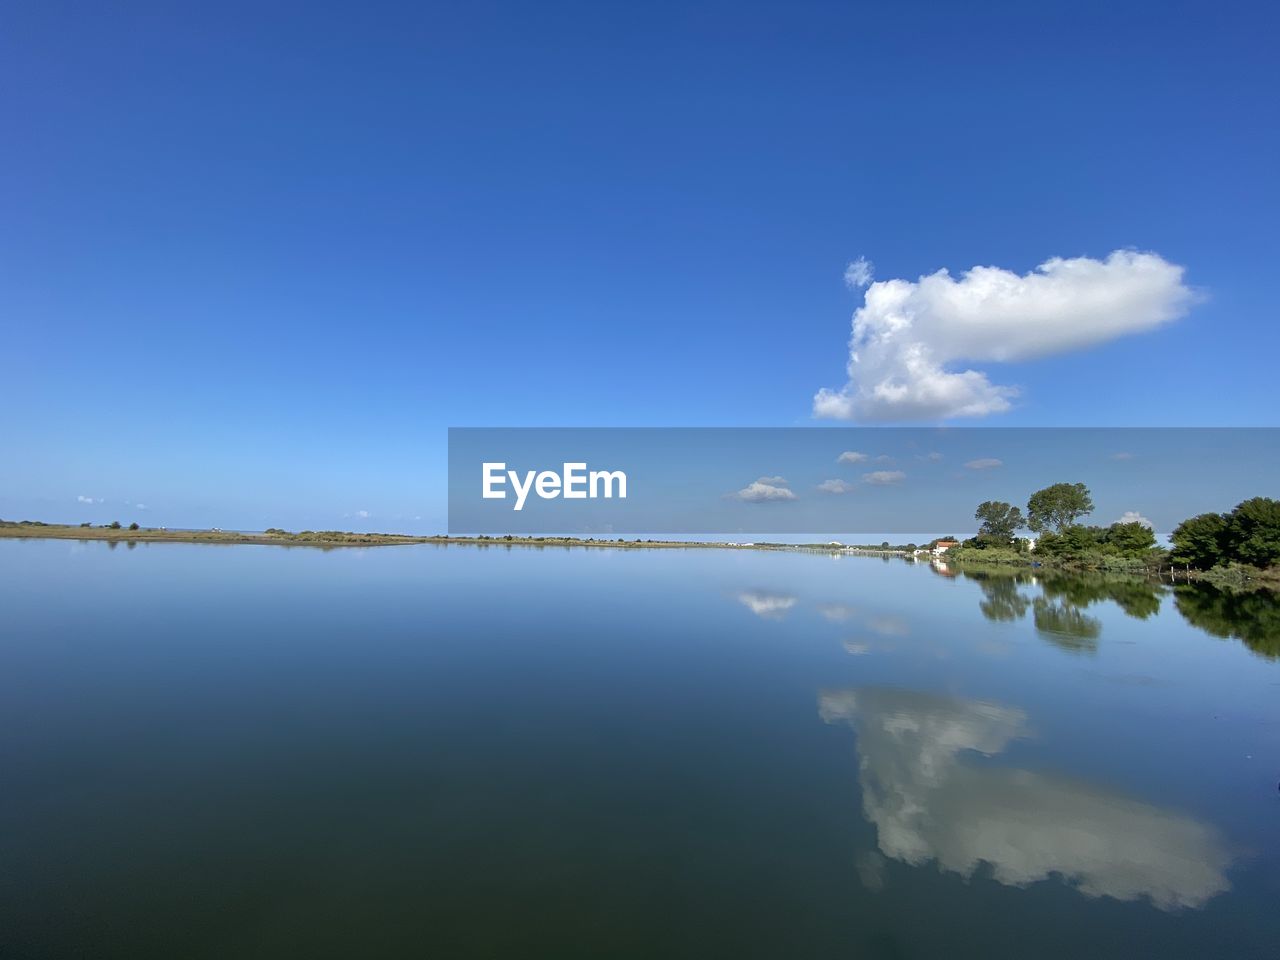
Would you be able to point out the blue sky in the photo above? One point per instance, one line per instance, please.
(253, 264)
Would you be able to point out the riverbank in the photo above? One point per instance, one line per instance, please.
(1155, 566)
(34, 529)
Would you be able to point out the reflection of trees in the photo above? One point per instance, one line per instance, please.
(1059, 612)
(929, 802)
(1067, 626)
(1003, 601)
(1252, 617)
(1137, 598)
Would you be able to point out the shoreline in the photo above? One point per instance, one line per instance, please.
(36, 530)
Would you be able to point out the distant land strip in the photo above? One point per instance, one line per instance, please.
(37, 530)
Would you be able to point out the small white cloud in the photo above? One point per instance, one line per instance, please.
(1122, 455)
(933, 457)
(764, 490)
(836, 486)
(362, 514)
(985, 463)
(889, 626)
(1133, 516)
(852, 456)
(83, 499)
(859, 273)
(837, 612)
(763, 603)
(140, 506)
(912, 339)
(883, 478)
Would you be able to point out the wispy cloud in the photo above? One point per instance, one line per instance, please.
(362, 514)
(909, 336)
(881, 478)
(853, 456)
(837, 612)
(83, 499)
(859, 273)
(765, 490)
(836, 486)
(1133, 516)
(985, 463)
(764, 603)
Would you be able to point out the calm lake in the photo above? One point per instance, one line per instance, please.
(462, 752)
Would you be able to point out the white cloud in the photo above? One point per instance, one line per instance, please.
(882, 478)
(985, 463)
(764, 490)
(1133, 516)
(362, 514)
(859, 273)
(83, 499)
(836, 486)
(853, 456)
(763, 603)
(140, 506)
(933, 457)
(908, 336)
(929, 801)
(837, 612)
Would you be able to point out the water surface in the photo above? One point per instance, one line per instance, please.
(259, 752)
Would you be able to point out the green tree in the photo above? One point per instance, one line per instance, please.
(115, 524)
(1058, 507)
(1200, 541)
(1000, 522)
(134, 525)
(1073, 539)
(1130, 539)
(1253, 532)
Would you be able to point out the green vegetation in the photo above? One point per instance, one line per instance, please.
(1053, 511)
(1000, 523)
(1237, 548)
(1249, 535)
(1058, 507)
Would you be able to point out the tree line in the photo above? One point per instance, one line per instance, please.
(1249, 534)
(1054, 514)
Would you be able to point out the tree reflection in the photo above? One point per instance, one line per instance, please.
(1067, 626)
(1059, 611)
(1253, 617)
(1003, 601)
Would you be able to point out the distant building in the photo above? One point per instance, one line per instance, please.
(942, 546)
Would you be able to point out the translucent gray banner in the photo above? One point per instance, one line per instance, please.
(607, 482)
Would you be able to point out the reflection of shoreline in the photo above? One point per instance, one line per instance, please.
(929, 803)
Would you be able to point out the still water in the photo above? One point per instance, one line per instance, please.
(460, 752)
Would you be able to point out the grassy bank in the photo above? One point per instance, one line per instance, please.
(1154, 564)
(34, 529)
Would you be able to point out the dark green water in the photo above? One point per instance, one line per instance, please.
(421, 751)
